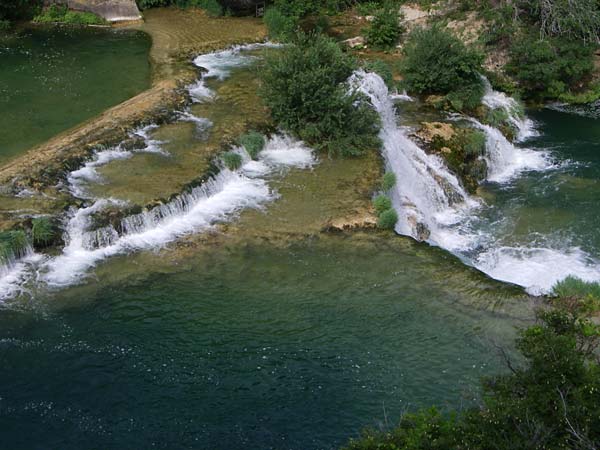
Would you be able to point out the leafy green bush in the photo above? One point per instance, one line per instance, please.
(253, 142)
(437, 62)
(381, 203)
(551, 401)
(4, 25)
(385, 29)
(387, 219)
(388, 181)
(61, 14)
(147, 4)
(279, 26)
(382, 69)
(12, 245)
(305, 86)
(232, 160)
(43, 231)
(547, 68)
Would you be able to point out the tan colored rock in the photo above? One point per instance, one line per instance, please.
(111, 10)
(431, 130)
(354, 42)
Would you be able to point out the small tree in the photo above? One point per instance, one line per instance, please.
(305, 86)
(385, 30)
(437, 62)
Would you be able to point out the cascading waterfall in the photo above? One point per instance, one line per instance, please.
(218, 199)
(427, 197)
(15, 270)
(432, 205)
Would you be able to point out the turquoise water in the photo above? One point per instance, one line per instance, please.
(53, 78)
(250, 346)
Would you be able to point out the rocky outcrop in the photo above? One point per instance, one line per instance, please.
(111, 10)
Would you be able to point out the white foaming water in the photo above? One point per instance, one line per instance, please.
(219, 199)
(202, 123)
(426, 194)
(15, 273)
(220, 64)
(505, 160)
(499, 100)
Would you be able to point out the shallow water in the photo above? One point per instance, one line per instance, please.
(53, 78)
(250, 346)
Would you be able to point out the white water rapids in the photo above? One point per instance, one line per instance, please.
(428, 197)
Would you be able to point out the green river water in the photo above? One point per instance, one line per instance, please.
(53, 78)
(268, 338)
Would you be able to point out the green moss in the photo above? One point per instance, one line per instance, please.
(232, 160)
(381, 203)
(387, 219)
(253, 142)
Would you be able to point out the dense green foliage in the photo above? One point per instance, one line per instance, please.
(572, 19)
(232, 160)
(43, 231)
(305, 86)
(437, 62)
(19, 9)
(552, 401)
(388, 181)
(280, 26)
(61, 14)
(385, 30)
(12, 244)
(548, 68)
(253, 142)
(212, 7)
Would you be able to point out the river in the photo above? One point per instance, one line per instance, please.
(225, 319)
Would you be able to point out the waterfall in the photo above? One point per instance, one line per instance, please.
(432, 205)
(219, 199)
(427, 197)
(15, 271)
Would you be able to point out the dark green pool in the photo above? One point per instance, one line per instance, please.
(250, 346)
(52, 78)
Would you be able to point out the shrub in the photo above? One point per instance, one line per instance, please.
(61, 14)
(381, 203)
(575, 287)
(305, 86)
(232, 160)
(368, 8)
(546, 69)
(4, 25)
(387, 219)
(279, 26)
(382, 69)
(385, 29)
(573, 19)
(43, 231)
(19, 9)
(388, 181)
(253, 142)
(12, 245)
(437, 62)
(551, 401)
